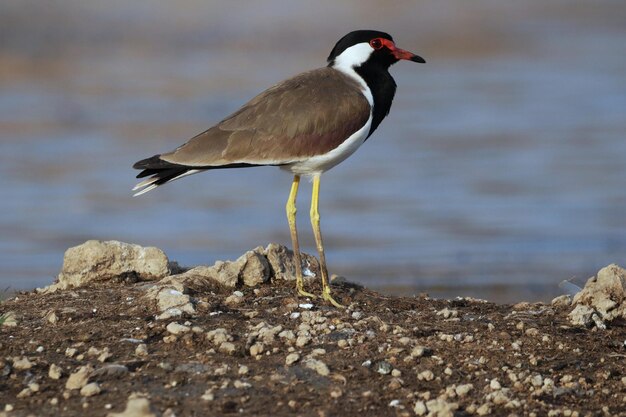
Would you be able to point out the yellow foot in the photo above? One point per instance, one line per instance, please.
(326, 296)
(303, 293)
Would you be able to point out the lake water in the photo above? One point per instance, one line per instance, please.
(500, 171)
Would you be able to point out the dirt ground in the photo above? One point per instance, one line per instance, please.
(264, 352)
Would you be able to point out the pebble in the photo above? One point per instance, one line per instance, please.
(396, 373)
(90, 390)
(176, 329)
(208, 395)
(113, 369)
(141, 350)
(483, 410)
(383, 367)
(136, 407)
(303, 340)
(495, 384)
(55, 371)
(426, 375)
(420, 408)
(218, 336)
(243, 370)
(234, 299)
(78, 379)
(256, 349)
(22, 364)
(70, 352)
(26, 392)
(464, 389)
(419, 351)
(318, 366)
(228, 348)
(342, 343)
(357, 315)
(292, 358)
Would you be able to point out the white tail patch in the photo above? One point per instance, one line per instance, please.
(150, 185)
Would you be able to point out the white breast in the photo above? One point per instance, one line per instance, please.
(321, 163)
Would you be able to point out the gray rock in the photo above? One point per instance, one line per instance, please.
(111, 370)
(283, 266)
(100, 261)
(604, 294)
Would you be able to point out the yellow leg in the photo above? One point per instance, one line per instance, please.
(291, 218)
(315, 222)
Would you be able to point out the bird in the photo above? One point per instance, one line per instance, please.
(305, 125)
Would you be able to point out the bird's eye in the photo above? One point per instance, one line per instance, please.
(376, 43)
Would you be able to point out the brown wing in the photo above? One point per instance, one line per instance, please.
(309, 114)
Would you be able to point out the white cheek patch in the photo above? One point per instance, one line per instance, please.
(352, 57)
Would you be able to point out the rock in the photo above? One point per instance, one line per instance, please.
(234, 299)
(292, 358)
(112, 370)
(419, 351)
(441, 408)
(420, 408)
(464, 389)
(100, 261)
(136, 407)
(256, 349)
(8, 319)
(426, 375)
(176, 329)
(141, 350)
(21, 364)
(169, 298)
(281, 261)
(604, 293)
(318, 366)
(79, 379)
(218, 336)
(228, 348)
(90, 390)
(383, 367)
(581, 315)
(51, 317)
(55, 371)
(561, 301)
(255, 269)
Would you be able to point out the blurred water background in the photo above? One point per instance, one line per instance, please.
(499, 173)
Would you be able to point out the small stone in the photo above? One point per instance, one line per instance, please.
(396, 373)
(439, 407)
(241, 384)
(141, 350)
(218, 336)
(256, 349)
(51, 317)
(357, 315)
(495, 384)
(21, 364)
(532, 332)
(420, 408)
(228, 348)
(114, 369)
(90, 390)
(292, 358)
(55, 372)
(176, 329)
(78, 379)
(318, 366)
(70, 352)
(8, 319)
(234, 299)
(464, 389)
(303, 340)
(243, 370)
(136, 407)
(336, 393)
(419, 351)
(483, 410)
(426, 375)
(342, 343)
(34, 387)
(26, 392)
(383, 367)
(208, 395)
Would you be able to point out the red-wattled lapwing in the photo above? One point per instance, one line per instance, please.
(305, 125)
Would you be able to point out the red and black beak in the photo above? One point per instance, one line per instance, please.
(402, 54)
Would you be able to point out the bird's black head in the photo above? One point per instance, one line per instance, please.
(371, 46)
